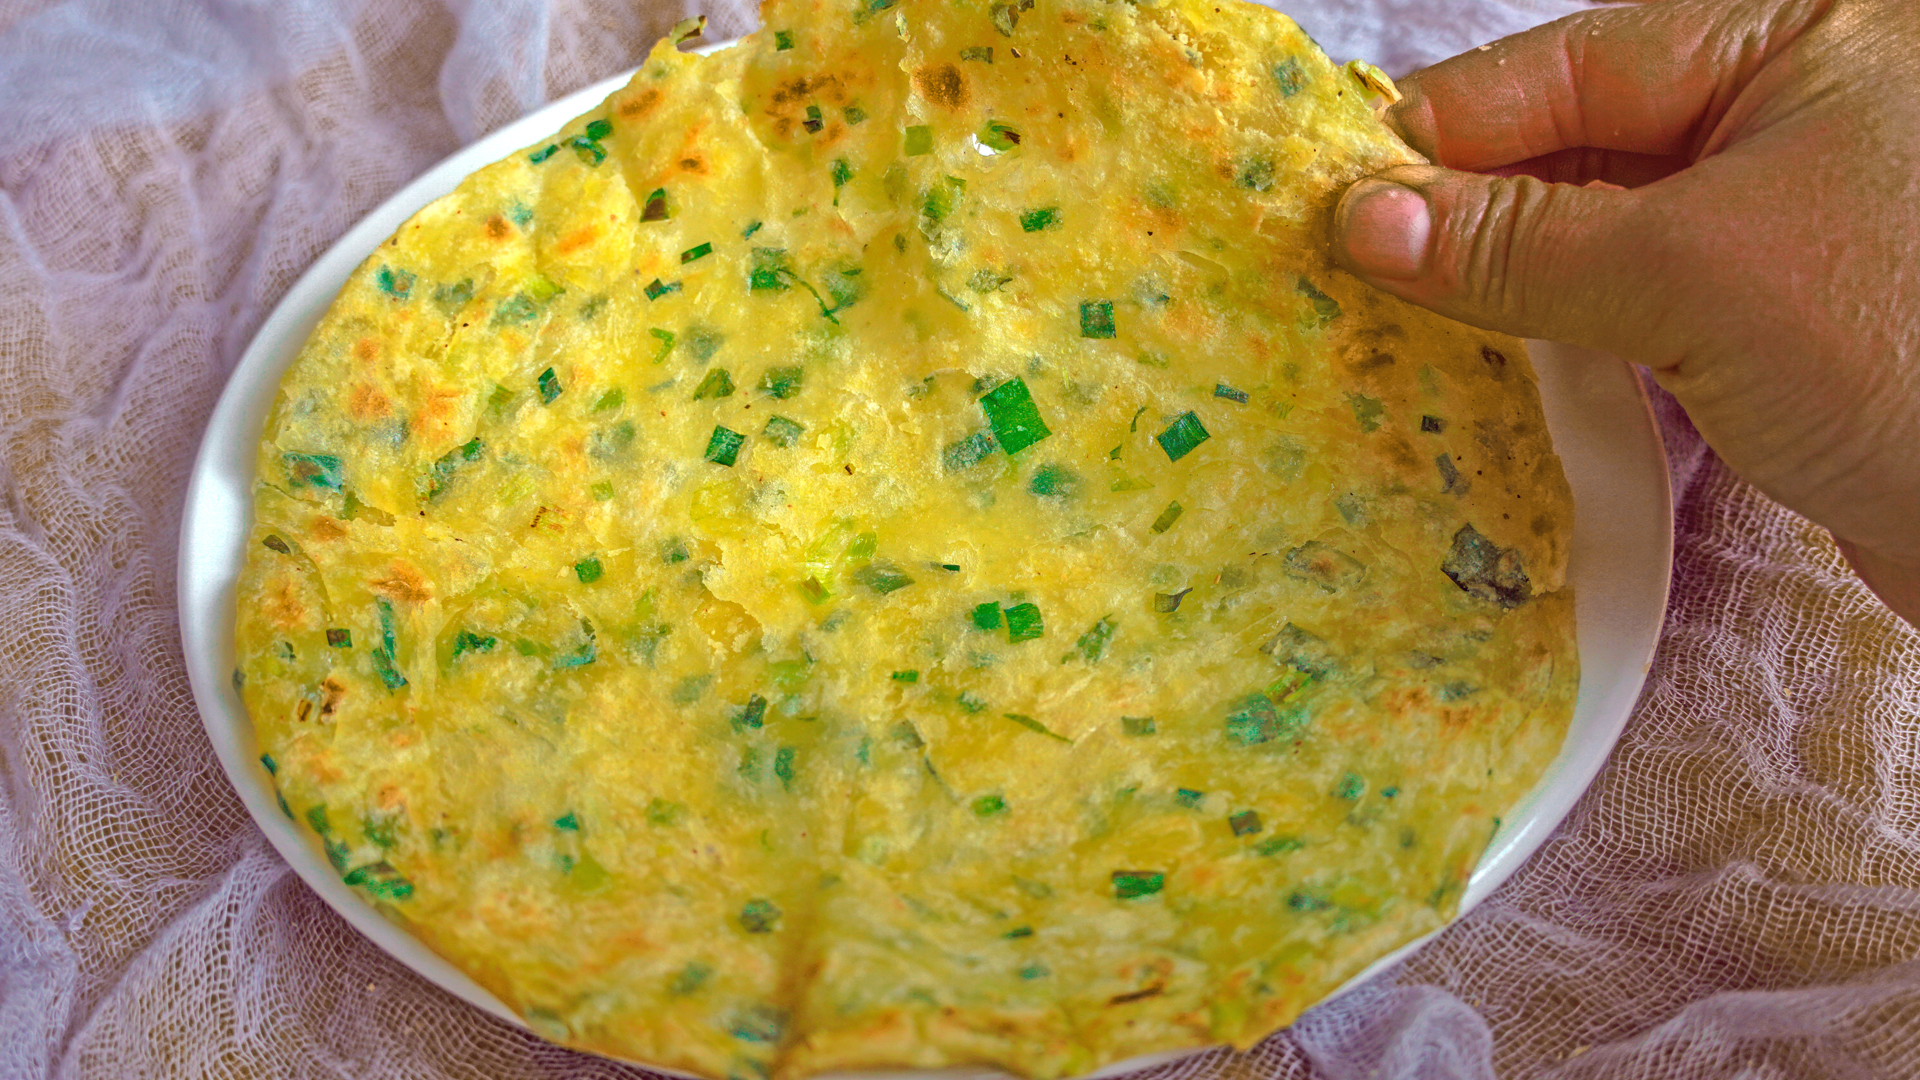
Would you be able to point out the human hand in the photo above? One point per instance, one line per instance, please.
(1726, 192)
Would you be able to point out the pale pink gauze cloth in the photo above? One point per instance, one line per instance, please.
(1737, 896)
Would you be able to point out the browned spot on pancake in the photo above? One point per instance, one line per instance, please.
(497, 228)
(1495, 360)
(285, 609)
(326, 528)
(639, 105)
(1373, 363)
(941, 84)
(300, 714)
(577, 239)
(806, 87)
(367, 350)
(693, 165)
(1542, 524)
(403, 583)
(366, 402)
(335, 691)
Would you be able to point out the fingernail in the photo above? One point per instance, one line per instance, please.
(1385, 228)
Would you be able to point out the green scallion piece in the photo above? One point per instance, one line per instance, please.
(317, 470)
(1278, 845)
(690, 978)
(587, 570)
(601, 491)
(395, 283)
(723, 446)
(655, 208)
(999, 137)
(989, 805)
(759, 917)
(782, 40)
(1167, 517)
(698, 251)
(1244, 823)
(1289, 76)
(1325, 308)
(781, 432)
(612, 399)
(467, 641)
(1188, 797)
(661, 813)
(1181, 436)
(968, 452)
(1093, 644)
(544, 153)
(1018, 932)
(1137, 725)
(1011, 413)
(854, 114)
(1035, 220)
(1035, 726)
(657, 288)
(339, 638)
(716, 384)
(981, 53)
(783, 765)
(272, 542)
(1350, 787)
(882, 578)
(549, 386)
(599, 129)
(814, 121)
(1168, 603)
(910, 675)
(568, 821)
(782, 382)
(986, 616)
(666, 338)
(1024, 623)
(769, 270)
(842, 172)
(1132, 884)
(750, 715)
(919, 140)
(588, 150)
(1053, 481)
(1096, 319)
(1222, 390)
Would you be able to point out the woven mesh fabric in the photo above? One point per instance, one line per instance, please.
(1738, 895)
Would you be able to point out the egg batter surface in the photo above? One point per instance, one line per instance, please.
(892, 545)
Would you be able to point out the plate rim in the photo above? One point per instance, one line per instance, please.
(209, 558)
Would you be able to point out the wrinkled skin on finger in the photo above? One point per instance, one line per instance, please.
(1727, 192)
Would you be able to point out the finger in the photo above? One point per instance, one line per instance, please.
(1510, 254)
(1584, 165)
(1648, 79)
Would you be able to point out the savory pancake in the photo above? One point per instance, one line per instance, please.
(893, 545)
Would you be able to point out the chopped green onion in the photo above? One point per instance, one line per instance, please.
(752, 228)
(1018, 932)
(1366, 411)
(1137, 725)
(599, 129)
(759, 917)
(1035, 220)
(1167, 517)
(662, 813)
(842, 172)
(882, 578)
(716, 384)
(970, 701)
(666, 343)
(272, 542)
(395, 283)
(1432, 425)
(1289, 76)
(782, 40)
(319, 470)
(986, 616)
(383, 664)
(759, 1024)
(1302, 900)
(689, 978)
(782, 382)
(544, 153)
(1188, 797)
(769, 270)
(1277, 845)
(1389, 792)
(919, 140)
(549, 386)
(783, 765)
(467, 641)
(267, 763)
(570, 822)
(588, 150)
(1093, 644)
(814, 121)
(723, 446)
(612, 399)
(750, 715)
(1350, 787)
(1181, 436)
(698, 251)
(1024, 623)
(655, 208)
(908, 676)
(1168, 603)
(999, 137)
(1132, 884)
(587, 570)
(1053, 481)
(781, 432)
(1096, 319)
(1244, 823)
(982, 53)
(1036, 726)
(989, 805)
(1015, 420)
(1325, 307)
(339, 638)
(657, 288)
(854, 114)
(968, 452)
(1222, 390)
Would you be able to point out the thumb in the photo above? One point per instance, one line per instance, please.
(1509, 254)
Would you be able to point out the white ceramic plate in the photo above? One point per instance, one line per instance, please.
(1602, 428)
